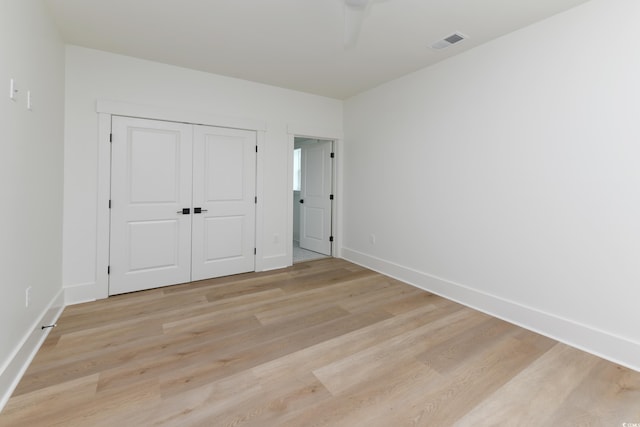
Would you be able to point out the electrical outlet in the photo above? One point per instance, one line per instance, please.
(27, 297)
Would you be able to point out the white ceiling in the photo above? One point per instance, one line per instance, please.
(295, 44)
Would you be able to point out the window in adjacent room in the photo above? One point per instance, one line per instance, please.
(297, 171)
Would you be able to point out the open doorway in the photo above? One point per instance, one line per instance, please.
(312, 199)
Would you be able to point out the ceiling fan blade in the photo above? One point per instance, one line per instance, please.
(354, 13)
(357, 4)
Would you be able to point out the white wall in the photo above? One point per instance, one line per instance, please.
(509, 178)
(31, 173)
(93, 75)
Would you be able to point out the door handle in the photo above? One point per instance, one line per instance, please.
(301, 200)
(185, 211)
(199, 210)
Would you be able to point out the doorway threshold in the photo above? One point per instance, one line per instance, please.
(301, 255)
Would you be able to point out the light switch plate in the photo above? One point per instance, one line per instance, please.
(12, 89)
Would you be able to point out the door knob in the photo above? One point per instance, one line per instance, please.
(199, 210)
(184, 211)
(301, 200)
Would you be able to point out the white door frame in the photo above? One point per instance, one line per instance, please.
(107, 109)
(321, 245)
(336, 137)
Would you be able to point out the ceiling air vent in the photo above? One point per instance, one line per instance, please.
(448, 41)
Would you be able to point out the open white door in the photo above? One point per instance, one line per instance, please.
(224, 190)
(315, 197)
(150, 187)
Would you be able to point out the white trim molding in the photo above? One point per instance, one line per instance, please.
(21, 358)
(274, 262)
(313, 132)
(260, 142)
(81, 293)
(176, 115)
(101, 288)
(105, 110)
(600, 343)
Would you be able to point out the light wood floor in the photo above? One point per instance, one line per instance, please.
(322, 343)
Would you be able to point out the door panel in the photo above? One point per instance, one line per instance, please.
(150, 183)
(153, 244)
(224, 168)
(223, 232)
(314, 218)
(315, 209)
(153, 179)
(224, 186)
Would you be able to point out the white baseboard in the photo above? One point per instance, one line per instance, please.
(26, 351)
(92, 291)
(600, 343)
(274, 262)
(77, 294)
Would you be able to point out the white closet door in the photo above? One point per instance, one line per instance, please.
(224, 190)
(150, 185)
(315, 197)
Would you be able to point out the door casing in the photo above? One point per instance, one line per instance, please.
(214, 181)
(105, 110)
(315, 196)
(99, 288)
(311, 132)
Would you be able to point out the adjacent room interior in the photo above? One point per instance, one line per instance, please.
(397, 212)
(313, 184)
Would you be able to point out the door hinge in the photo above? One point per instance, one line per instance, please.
(333, 155)
(330, 196)
(256, 148)
(110, 137)
(331, 238)
(108, 269)
(255, 251)
(255, 199)
(109, 203)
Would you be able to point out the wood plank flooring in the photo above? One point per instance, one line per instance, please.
(323, 343)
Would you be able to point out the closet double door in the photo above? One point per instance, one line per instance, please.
(182, 203)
